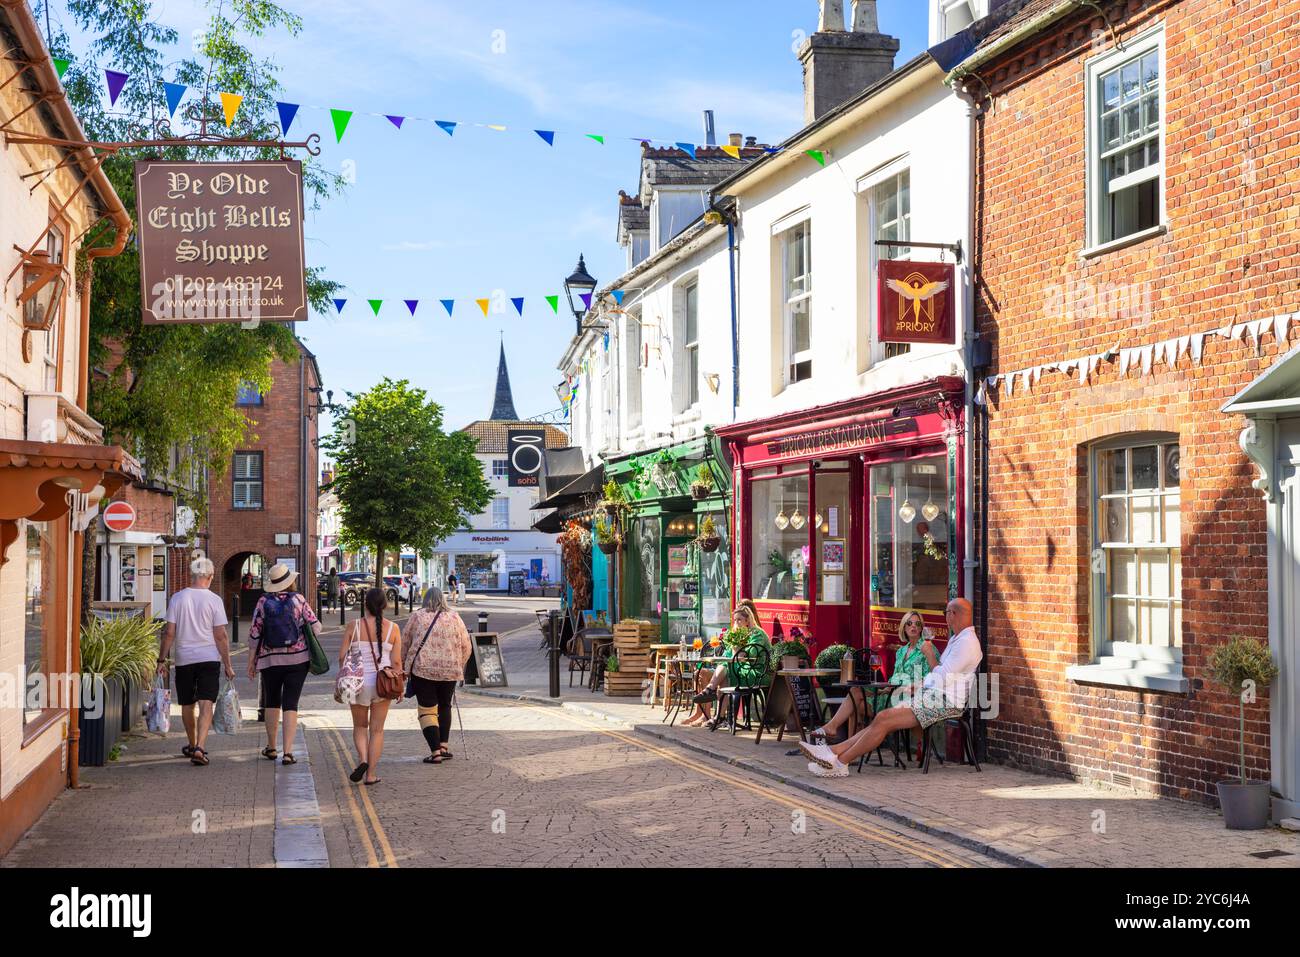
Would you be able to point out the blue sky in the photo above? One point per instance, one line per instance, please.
(430, 217)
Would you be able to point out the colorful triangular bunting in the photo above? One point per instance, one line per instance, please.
(483, 304)
(447, 126)
(339, 304)
(230, 106)
(597, 137)
(411, 304)
(395, 120)
(618, 295)
(341, 120)
(174, 92)
(496, 126)
(375, 304)
(687, 148)
(61, 65)
(448, 304)
(818, 155)
(116, 81)
(547, 135)
(519, 304)
(555, 304)
(586, 299)
(733, 151)
(287, 112)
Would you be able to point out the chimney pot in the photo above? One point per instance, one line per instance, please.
(831, 18)
(734, 139)
(837, 65)
(864, 17)
(751, 140)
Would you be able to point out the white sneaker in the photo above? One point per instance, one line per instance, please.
(821, 753)
(834, 770)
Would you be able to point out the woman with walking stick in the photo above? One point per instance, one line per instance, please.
(435, 646)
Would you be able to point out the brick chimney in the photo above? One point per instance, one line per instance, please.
(837, 63)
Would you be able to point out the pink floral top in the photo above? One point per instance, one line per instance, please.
(442, 657)
(294, 654)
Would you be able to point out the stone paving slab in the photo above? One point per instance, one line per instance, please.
(1013, 816)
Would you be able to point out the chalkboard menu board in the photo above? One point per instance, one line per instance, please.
(791, 697)
(518, 580)
(489, 664)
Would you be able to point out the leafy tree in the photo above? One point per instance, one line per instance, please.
(400, 479)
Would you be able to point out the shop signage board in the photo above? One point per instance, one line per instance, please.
(221, 242)
(489, 665)
(119, 516)
(525, 449)
(916, 302)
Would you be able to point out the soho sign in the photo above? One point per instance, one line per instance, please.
(525, 447)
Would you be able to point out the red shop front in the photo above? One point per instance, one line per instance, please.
(849, 515)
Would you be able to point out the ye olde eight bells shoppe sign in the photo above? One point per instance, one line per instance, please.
(916, 302)
(221, 242)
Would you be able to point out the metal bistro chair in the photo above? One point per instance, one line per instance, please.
(679, 691)
(752, 681)
(967, 726)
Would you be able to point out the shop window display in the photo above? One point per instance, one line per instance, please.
(910, 534)
(715, 579)
(831, 519)
(780, 551)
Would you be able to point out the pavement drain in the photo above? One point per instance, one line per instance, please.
(299, 838)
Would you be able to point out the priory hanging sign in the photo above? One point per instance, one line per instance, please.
(916, 302)
(221, 242)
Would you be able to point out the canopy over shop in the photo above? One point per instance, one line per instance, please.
(849, 514)
(674, 574)
(570, 493)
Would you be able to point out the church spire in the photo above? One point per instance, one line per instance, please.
(503, 403)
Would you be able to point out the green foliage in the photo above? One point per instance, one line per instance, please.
(602, 529)
(830, 657)
(790, 649)
(611, 664)
(614, 494)
(778, 562)
(176, 385)
(736, 637)
(124, 647)
(1241, 660)
(708, 528)
(703, 478)
(400, 479)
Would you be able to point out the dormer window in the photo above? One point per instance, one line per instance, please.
(950, 17)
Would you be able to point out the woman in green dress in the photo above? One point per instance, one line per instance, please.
(743, 672)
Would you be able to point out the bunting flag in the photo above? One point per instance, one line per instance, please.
(411, 304)
(339, 304)
(448, 304)
(733, 151)
(287, 112)
(591, 136)
(618, 296)
(586, 299)
(547, 135)
(446, 125)
(555, 304)
(687, 148)
(174, 92)
(61, 65)
(341, 120)
(230, 106)
(116, 81)
(375, 304)
(496, 126)
(395, 120)
(519, 304)
(483, 304)
(818, 155)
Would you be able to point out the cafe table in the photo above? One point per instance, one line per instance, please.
(684, 671)
(790, 677)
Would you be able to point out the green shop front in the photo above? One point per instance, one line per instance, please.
(672, 575)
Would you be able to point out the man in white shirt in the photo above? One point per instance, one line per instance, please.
(196, 625)
(943, 694)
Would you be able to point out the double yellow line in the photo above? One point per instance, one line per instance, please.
(338, 749)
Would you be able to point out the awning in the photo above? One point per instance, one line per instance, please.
(560, 467)
(550, 523)
(576, 491)
(326, 552)
(36, 477)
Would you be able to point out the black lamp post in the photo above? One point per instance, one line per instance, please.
(578, 284)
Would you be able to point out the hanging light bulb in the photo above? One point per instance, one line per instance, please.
(781, 521)
(907, 511)
(929, 509)
(817, 519)
(797, 518)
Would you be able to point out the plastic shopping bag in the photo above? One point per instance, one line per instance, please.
(158, 709)
(225, 717)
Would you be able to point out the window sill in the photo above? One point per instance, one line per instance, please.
(47, 719)
(692, 414)
(1128, 675)
(1124, 242)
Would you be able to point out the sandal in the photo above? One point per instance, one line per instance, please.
(375, 781)
(198, 757)
(188, 750)
(446, 755)
(269, 753)
(359, 772)
(433, 759)
(288, 758)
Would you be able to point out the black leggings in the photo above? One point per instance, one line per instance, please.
(282, 685)
(429, 694)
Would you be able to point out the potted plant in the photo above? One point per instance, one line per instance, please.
(605, 535)
(830, 656)
(611, 664)
(115, 652)
(702, 484)
(792, 654)
(615, 498)
(1243, 666)
(708, 539)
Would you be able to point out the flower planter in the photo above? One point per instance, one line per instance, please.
(132, 705)
(1245, 806)
(609, 548)
(700, 492)
(611, 511)
(99, 734)
(711, 543)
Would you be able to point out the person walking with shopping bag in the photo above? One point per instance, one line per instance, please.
(279, 648)
(373, 646)
(435, 647)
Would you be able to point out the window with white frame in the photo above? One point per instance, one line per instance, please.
(634, 358)
(796, 300)
(54, 248)
(1125, 144)
(500, 468)
(691, 344)
(1136, 536)
(891, 219)
(501, 513)
(247, 490)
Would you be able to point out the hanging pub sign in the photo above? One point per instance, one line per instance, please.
(221, 242)
(525, 448)
(915, 302)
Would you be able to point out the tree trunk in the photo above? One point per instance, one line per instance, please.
(379, 567)
(89, 571)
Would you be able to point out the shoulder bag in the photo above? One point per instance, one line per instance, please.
(390, 683)
(410, 690)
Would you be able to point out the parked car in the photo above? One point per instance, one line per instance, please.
(401, 585)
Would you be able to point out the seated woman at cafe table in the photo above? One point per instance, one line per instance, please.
(744, 617)
(943, 694)
(915, 659)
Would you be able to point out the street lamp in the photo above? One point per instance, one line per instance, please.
(578, 284)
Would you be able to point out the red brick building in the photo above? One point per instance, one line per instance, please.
(1138, 256)
(262, 509)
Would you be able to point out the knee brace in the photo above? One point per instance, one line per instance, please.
(427, 716)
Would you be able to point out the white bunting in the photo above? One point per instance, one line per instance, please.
(980, 396)
(1010, 384)
(1280, 324)
(1183, 342)
(1125, 357)
(1146, 353)
(1237, 331)
(1198, 344)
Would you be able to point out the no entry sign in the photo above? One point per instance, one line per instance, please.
(119, 517)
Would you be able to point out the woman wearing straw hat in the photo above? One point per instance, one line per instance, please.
(277, 648)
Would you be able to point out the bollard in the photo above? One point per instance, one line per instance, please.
(482, 621)
(410, 598)
(554, 652)
(343, 609)
(234, 620)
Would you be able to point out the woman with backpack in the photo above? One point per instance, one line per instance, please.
(377, 645)
(277, 648)
(436, 646)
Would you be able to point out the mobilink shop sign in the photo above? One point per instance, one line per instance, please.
(221, 242)
(525, 448)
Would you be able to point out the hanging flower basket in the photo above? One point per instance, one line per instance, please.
(700, 492)
(611, 509)
(710, 544)
(609, 548)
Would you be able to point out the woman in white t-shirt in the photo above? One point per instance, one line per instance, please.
(380, 644)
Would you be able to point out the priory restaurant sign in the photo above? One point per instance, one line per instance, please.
(916, 302)
(221, 242)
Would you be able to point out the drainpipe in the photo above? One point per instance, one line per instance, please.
(735, 331)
